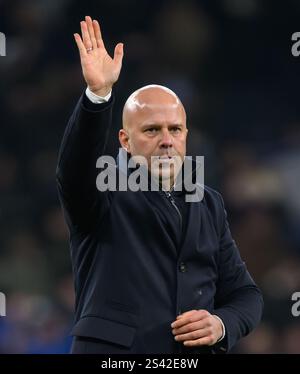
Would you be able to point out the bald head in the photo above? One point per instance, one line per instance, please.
(154, 124)
(151, 98)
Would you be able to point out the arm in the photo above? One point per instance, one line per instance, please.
(87, 131)
(238, 301)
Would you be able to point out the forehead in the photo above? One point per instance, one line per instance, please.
(153, 105)
(157, 113)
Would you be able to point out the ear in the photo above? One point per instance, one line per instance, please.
(124, 139)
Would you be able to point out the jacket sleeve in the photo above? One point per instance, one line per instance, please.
(238, 301)
(83, 143)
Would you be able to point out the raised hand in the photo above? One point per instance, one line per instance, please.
(100, 71)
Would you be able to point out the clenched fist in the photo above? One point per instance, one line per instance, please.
(197, 327)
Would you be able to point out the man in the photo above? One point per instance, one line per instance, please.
(153, 273)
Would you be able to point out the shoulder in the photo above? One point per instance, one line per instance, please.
(212, 198)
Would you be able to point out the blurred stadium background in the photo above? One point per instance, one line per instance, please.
(230, 62)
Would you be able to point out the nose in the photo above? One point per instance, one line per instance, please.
(166, 140)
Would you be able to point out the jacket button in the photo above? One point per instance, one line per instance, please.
(182, 267)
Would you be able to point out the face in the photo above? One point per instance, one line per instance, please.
(155, 125)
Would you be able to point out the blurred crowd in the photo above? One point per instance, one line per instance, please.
(230, 62)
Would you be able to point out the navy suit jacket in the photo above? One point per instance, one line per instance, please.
(135, 268)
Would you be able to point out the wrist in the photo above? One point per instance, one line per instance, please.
(96, 99)
(104, 91)
(222, 332)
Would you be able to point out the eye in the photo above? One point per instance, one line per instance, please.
(151, 130)
(176, 129)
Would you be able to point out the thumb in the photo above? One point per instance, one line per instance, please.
(118, 53)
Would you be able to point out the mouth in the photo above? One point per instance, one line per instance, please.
(165, 159)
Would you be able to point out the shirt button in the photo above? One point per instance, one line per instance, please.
(182, 267)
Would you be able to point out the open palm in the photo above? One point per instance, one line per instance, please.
(100, 71)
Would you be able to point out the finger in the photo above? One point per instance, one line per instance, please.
(181, 322)
(190, 327)
(90, 27)
(118, 53)
(201, 313)
(192, 317)
(80, 45)
(85, 35)
(207, 340)
(193, 335)
(190, 312)
(98, 34)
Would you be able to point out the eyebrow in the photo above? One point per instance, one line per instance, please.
(156, 125)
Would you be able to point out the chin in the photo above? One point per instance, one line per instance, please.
(165, 176)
